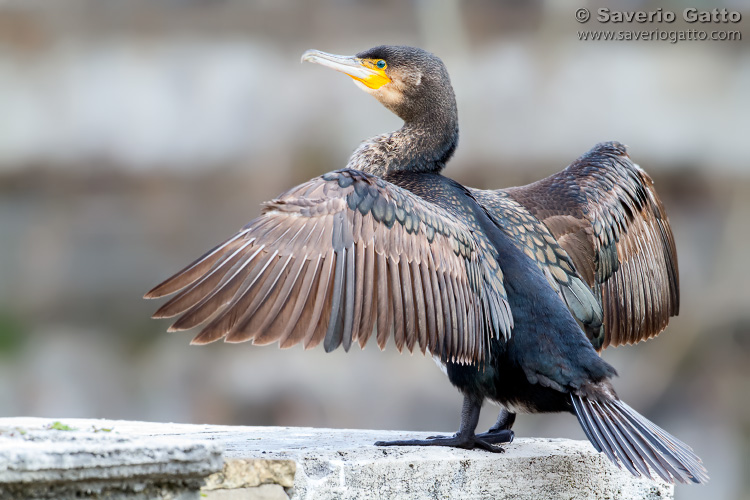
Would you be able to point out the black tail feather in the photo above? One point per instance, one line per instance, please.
(630, 440)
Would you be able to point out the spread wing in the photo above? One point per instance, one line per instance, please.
(337, 258)
(604, 211)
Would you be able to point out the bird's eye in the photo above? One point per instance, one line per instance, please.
(380, 64)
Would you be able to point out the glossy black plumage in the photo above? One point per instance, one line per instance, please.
(513, 290)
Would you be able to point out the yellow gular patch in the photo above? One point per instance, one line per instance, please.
(378, 78)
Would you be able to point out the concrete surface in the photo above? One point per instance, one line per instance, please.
(80, 460)
(305, 463)
(262, 492)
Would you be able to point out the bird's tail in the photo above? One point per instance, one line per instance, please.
(630, 440)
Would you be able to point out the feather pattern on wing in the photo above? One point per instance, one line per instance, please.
(539, 245)
(604, 212)
(337, 257)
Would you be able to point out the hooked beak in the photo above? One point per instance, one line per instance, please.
(361, 70)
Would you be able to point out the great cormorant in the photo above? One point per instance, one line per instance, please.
(513, 290)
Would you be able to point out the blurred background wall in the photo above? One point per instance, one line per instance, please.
(136, 134)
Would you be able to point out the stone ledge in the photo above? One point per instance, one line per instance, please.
(275, 463)
(39, 461)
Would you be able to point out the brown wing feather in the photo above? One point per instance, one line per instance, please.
(332, 257)
(367, 321)
(604, 211)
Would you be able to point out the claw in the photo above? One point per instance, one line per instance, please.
(439, 437)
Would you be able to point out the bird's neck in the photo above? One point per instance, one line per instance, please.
(421, 145)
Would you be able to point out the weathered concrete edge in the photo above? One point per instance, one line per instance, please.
(248, 473)
(39, 461)
(401, 474)
(344, 464)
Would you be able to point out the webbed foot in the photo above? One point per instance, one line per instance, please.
(455, 441)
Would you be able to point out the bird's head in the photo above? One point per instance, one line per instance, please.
(409, 81)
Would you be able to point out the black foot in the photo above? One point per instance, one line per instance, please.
(498, 436)
(465, 442)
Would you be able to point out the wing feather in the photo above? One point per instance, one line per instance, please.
(369, 299)
(358, 281)
(385, 318)
(431, 307)
(408, 303)
(398, 306)
(419, 294)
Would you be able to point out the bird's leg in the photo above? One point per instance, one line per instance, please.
(464, 438)
(500, 432)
